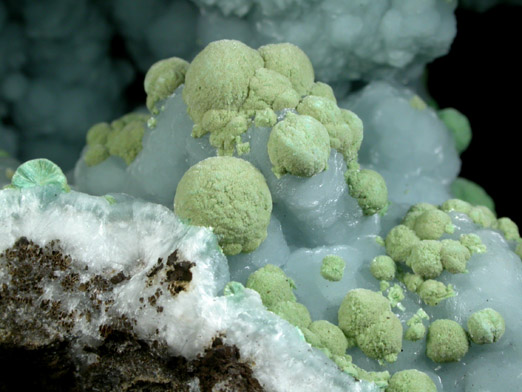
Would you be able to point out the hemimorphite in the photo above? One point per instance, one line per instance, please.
(411, 380)
(230, 195)
(39, 172)
(486, 326)
(298, 145)
(446, 342)
(332, 268)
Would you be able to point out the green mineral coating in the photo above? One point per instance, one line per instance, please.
(432, 224)
(458, 125)
(399, 242)
(411, 380)
(415, 332)
(473, 242)
(425, 259)
(128, 118)
(508, 228)
(369, 188)
(295, 313)
(110, 199)
(454, 256)
(418, 103)
(343, 126)
(291, 62)
(265, 118)
(320, 89)
(272, 285)
(472, 193)
(233, 288)
(126, 142)
(456, 205)
(230, 195)
(384, 285)
(383, 268)
(330, 336)
(298, 145)
(162, 78)
(379, 240)
(486, 326)
(378, 378)
(446, 342)
(270, 90)
(360, 309)
(98, 133)
(311, 338)
(95, 154)
(395, 296)
(332, 268)
(39, 172)
(219, 77)
(412, 281)
(414, 212)
(344, 362)
(483, 216)
(382, 340)
(432, 292)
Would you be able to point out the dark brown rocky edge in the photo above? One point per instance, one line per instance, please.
(38, 350)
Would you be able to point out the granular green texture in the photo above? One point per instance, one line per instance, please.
(330, 336)
(344, 127)
(456, 205)
(320, 89)
(383, 268)
(291, 62)
(416, 330)
(446, 342)
(483, 216)
(395, 296)
(454, 256)
(332, 268)
(458, 125)
(382, 340)
(508, 228)
(425, 259)
(295, 313)
(360, 309)
(414, 212)
(432, 292)
(412, 281)
(369, 188)
(473, 243)
(472, 193)
(39, 172)
(399, 242)
(411, 380)
(229, 195)
(272, 285)
(162, 78)
(432, 224)
(298, 145)
(486, 326)
(121, 138)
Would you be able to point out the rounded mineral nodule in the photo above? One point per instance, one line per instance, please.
(411, 380)
(231, 196)
(486, 326)
(446, 342)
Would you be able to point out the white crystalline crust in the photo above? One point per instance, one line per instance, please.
(345, 40)
(129, 236)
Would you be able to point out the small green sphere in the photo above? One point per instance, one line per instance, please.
(411, 380)
(446, 342)
(483, 216)
(508, 228)
(412, 281)
(299, 145)
(39, 172)
(432, 292)
(369, 188)
(383, 268)
(414, 212)
(330, 336)
(458, 125)
(230, 195)
(471, 192)
(272, 285)
(383, 339)
(415, 332)
(295, 313)
(360, 309)
(399, 242)
(454, 256)
(456, 205)
(486, 326)
(431, 225)
(332, 268)
(425, 259)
